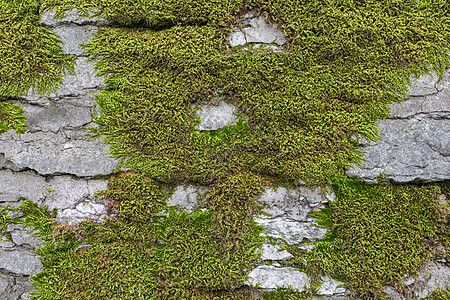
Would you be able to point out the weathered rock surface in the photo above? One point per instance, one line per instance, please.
(331, 286)
(213, 117)
(272, 252)
(55, 153)
(21, 236)
(295, 204)
(271, 277)
(415, 141)
(256, 30)
(14, 287)
(20, 261)
(187, 198)
(432, 277)
(291, 231)
(73, 36)
(71, 18)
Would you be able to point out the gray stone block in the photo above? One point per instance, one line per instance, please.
(257, 31)
(59, 192)
(331, 286)
(56, 116)
(13, 287)
(292, 232)
(271, 252)
(424, 85)
(213, 117)
(53, 153)
(73, 36)
(72, 17)
(20, 261)
(186, 198)
(271, 277)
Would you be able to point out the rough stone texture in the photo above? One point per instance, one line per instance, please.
(20, 261)
(213, 117)
(424, 85)
(256, 30)
(295, 205)
(331, 286)
(271, 277)
(56, 153)
(14, 287)
(73, 36)
(21, 236)
(271, 252)
(56, 192)
(71, 18)
(292, 232)
(186, 198)
(415, 141)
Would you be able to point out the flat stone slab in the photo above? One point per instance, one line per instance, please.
(257, 30)
(55, 153)
(331, 286)
(58, 192)
(20, 261)
(415, 141)
(71, 17)
(213, 117)
(293, 204)
(56, 116)
(272, 252)
(291, 231)
(271, 277)
(424, 85)
(411, 150)
(73, 36)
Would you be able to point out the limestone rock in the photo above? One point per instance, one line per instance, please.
(58, 192)
(53, 153)
(271, 252)
(73, 36)
(72, 17)
(23, 236)
(83, 211)
(257, 30)
(56, 116)
(424, 85)
(213, 117)
(330, 287)
(292, 232)
(413, 149)
(271, 277)
(14, 287)
(20, 261)
(186, 198)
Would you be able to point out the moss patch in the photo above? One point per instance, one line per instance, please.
(30, 58)
(378, 234)
(343, 64)
(149, 251)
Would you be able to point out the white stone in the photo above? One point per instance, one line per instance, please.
(270, 277)
(271, 252)
(213, 117)
(21, 261)
(292, 232)
(424, 85)
(330, 286)
(184, 198)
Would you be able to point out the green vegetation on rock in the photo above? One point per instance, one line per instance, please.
(300, 111)
(30, 58)
(378, 233)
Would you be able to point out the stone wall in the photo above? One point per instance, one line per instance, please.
(55, 163)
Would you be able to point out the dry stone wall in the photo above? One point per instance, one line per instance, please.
(55, 163)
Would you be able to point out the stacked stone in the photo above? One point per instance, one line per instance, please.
(54, 163)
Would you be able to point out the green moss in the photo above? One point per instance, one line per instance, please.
(343, 64)
(378, 234)
(151, 252)
(30, 58)
(11, 117)
(439, 295)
